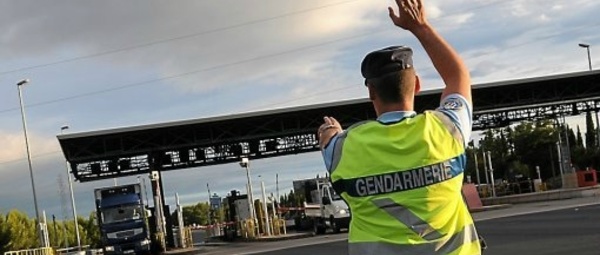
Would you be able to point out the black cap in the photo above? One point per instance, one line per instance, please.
(387, 60)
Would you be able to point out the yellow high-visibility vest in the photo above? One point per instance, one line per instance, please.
(402, 182)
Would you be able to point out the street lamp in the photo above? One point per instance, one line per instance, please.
(35, 203)
(245, 163)
(587, 47)
(63, 128)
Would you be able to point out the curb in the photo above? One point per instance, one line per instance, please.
(278, 238)
(182, 251)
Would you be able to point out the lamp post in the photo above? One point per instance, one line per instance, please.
(587, 47)
(62, 129)
(245, 163)
(35, 203)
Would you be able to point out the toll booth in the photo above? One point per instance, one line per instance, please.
(169, 238)
(236, 211)
(587, 178)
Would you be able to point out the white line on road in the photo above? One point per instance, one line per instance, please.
(343, 237)
(548, 209)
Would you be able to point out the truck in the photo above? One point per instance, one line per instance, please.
(323, 207)
(122, 220)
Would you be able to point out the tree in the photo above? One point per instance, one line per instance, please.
(579, 138)
(89, 231)
(196, 214)
(4, 235)
(22, 230)
(580, 157)
(531, 145)
(572, 138)
(291, 199)
(590, 135)
(496, 142)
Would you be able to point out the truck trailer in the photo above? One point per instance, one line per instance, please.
(323, 207)
(122, 220)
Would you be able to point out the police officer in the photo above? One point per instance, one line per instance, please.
(402, 174)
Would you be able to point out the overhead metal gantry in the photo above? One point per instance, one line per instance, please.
(209, 141)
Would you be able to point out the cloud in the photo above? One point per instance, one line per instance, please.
(235, 36)
(13, 146)
(433, 10)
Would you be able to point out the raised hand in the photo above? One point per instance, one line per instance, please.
(411, 14)
(327, 130)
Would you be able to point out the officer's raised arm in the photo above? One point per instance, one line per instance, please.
(446, 61)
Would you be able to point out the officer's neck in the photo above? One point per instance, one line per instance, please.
(381, 108)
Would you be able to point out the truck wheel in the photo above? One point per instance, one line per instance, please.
(334, 225)
(319, 227)
(321, 230)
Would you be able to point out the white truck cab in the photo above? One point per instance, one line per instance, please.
(323, 205)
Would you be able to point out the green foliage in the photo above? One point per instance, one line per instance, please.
(22, 231)
(532, 144)
(590, 135)
(519, 149)
(18, 231)
(62, 233)
(518, 168)
(89, 231)
(496, 141)
(5, 235)
(196, 214)
(579, 138)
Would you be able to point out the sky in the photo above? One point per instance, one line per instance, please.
(96, 65)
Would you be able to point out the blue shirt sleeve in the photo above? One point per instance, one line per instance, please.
(460, 112)
(328, 152)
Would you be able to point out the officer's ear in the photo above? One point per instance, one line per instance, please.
(372, 94)
(417, 84)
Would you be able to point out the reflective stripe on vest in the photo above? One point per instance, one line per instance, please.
(402, 214)
(467, 235)
(449, 125)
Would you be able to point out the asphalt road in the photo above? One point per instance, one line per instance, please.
(545, 228)
(567, 231)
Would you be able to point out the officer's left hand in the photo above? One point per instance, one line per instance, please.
(327, 130)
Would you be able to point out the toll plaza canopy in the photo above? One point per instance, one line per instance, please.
(217, 140)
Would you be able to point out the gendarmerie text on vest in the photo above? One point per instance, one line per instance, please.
(401, 180)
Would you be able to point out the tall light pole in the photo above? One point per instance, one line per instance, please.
(62, 129)
(245, 163)
(587, 47)
(20, 84)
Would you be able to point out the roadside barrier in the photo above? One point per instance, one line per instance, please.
(248, 229)
(252, 229)
(37, 251)
(188, 239)
(243, 229)
(276, 229)
(471, 197)
(279, 227)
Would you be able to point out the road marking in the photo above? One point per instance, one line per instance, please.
(316, 242)
(536, 211)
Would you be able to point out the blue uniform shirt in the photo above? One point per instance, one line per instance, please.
(454, 106)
